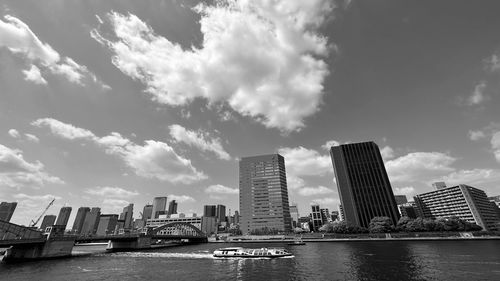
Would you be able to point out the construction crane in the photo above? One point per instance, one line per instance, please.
(33, 223)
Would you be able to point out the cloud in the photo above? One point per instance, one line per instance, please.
(328, 201)
(492, 63)
(476, 135)
(264, 59)
(221, 189)
(478, 96)
(419, 166)
(182, 198)
(109, 191)
(199, 139)
(407, 190)
(32, 137)
(294, 183)
(471, 177)
(113, 206)
(154, 159)
(34, 75)
(495, 145)
(309, 191)
(17, 173)
(387, 153)
(14, 133)
(301, 161)
(19, 39)
(329, 144)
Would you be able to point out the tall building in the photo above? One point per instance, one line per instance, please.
(341, 213)
(147, 212)
(236, 217)
(159, 206)
(316, 218)
(172, 207)
(325, 215)
(220, 213)
(91, 221)
(63, 217)
(408, 210)
(80, 218)
(264, 194)
(48, 220)
(7, 210)
(209, 211)
(466, 202)
(363, 184)
(294, 214)
(127, 216)
(107, 224)
(400, 199)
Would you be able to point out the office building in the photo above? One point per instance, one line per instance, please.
(316, 217)
(7, 210)
(63, 217)
(107, 224)
(466, 202)
(294, 214)
(147, 212)
(172, 207)
(325, 215)
(236, 217)
(363, 184)
(439, 185)
(91, 221)
(408, 210)
(47, 221)
(341, 213)
(264, 194)
(400, 199)
(159, 206)
(210, 211)
(220, 213)
(127, 216)
(80, 218)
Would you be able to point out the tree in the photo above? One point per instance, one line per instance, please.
(328, 227)
(402, 223)
(298, 230)
(345, 227)
(381, 225)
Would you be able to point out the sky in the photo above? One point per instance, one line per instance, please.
(105, 103)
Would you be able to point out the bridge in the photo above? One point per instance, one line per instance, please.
(13, 234)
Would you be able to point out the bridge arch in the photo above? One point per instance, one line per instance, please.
(178, 229)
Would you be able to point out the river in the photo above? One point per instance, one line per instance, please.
(377, 260)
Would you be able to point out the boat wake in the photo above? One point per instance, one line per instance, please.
(165, 255)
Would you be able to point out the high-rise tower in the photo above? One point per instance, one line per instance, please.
(159, 206)
(80, 218)
(63, 217)
(363, 184)
(264, 193)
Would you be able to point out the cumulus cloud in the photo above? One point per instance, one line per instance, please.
(264, 59)
(154, 159)
(495, 145)
(32, 137)
(17, 36)
(492, 63)
(387, 153)
(478, 96)
(472, 177)
(309, 191)
(476, 135)
(329, 144)
(198, 139)
(419, 166)
(407, 190)
(328, 201)
(110, 205)
(16, 172)
(110, 191)
(14, 133)
(182, 198)
(34, 75)
(221, 189)
(301, 161)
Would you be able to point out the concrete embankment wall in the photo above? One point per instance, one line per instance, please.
(49, 249)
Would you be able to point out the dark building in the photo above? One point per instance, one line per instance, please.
(316, 217)
(400, 199)
(264, 194)
(63, 217)
(127, 216)
(220, 213)
(147, 212)
(363, 184)
(172, 208)
(80, 218)
(91, 221)
(48, 220)
(159, 206)
(209, 211)
(107, 224)
(408, 210)
(7, 210)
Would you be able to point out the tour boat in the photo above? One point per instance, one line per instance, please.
(238, 252)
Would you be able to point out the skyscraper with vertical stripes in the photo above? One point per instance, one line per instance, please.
(363, 184)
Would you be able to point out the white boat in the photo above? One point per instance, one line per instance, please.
(238, 252)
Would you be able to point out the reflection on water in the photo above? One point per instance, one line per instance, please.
(387, 260)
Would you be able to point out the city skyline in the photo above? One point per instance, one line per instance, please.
(82, 122)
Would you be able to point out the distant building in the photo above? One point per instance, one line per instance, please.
(495, 200)
(91, 221)
(107, 224)
(316, 217)
(439, 185)
(80, 218)
(400, 199)
(408, 210)
(47, 221)
(325, 215)
(294, 214)
(63, 217)
(466, 202)
(220, 213)
(119, 226)
(236, 217)
(335, 215)
(210, 211)
(127, 216)
(159, 205)
(207, 225)
(172, 207)
(263, 194)
(147, 212)
(7, 210)
(341, 213)
(363, 184)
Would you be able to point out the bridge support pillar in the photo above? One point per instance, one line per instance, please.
(48, 249)
(143, 242)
